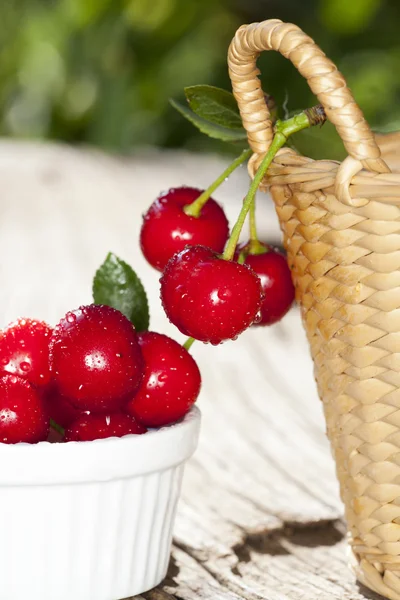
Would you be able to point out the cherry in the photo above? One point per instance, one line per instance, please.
(23, 417)
(95, 358)
(95, 427)
(60, 409)
(24, 351)
(276, 281)
(167, 229)
(171, 381)
(209, 298)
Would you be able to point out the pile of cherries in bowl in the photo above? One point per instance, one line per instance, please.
(92, 376)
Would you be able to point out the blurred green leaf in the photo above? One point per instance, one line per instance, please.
(84, 13)
(211, 129)
(149, 16)
(215, 105)
(348, 16)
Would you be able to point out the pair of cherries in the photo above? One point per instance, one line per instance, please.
(93, 375)
(206, 297)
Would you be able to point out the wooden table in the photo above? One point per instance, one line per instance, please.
(260, 516)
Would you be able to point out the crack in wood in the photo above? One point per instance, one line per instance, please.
(272, 542)
(276, 541)
(222, 575)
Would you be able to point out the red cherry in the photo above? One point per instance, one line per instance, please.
(24, 351)
(60, 409)
(276, 282)
(23, 417)
(209, 298)
(171, 381)
(95, 358)
(167, 229)
(97, 427)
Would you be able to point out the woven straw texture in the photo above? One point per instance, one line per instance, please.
(341, 226)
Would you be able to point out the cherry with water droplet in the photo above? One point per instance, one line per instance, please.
(208, 298)
(23, 416)
(171, 382)
(24, 351)
(276, 281)
(95, 359)
(167, 229)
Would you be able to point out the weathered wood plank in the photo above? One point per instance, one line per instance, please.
(260, 516)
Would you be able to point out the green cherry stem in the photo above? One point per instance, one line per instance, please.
(188, 344)
(57, 427)
(255, 246)
(283, 129)
(194, 209)
(252, 221)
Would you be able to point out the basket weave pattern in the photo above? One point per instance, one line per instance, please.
(341, 226)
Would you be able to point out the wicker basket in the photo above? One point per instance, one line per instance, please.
(341, 226)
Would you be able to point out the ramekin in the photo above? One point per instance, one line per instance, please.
(91, 520)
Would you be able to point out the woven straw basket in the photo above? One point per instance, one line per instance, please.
(341, 226)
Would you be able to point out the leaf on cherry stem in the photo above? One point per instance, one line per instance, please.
(211, 129)
(215, 105)
(213, 111)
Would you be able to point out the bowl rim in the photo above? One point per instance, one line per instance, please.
(52, 463)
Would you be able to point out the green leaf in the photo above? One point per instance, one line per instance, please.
(215, 105)
(211, 129)
(116, 284)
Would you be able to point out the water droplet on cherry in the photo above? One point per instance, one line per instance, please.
(258, 317)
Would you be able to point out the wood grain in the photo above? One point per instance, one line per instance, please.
(260, 516)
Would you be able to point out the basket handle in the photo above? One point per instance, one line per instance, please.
(322, 76)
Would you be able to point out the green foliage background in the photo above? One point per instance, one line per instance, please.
(101, 71)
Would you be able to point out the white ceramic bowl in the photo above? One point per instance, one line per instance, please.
(90, 520)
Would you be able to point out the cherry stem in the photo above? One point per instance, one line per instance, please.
(194, 209)
(252, 222)
(254, 246)
(57, 427)
(283, 129)
(188, 344)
